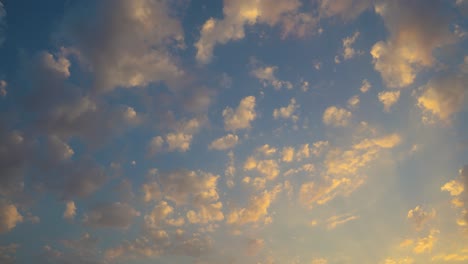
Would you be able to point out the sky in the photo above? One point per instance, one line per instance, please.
(234, 131)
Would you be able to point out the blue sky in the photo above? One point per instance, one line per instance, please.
(235, 131)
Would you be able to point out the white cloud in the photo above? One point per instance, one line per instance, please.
(365, 87)
(388, 99)
(419, 217)
(348, 51)
(223, 143)
(129, 48)
(415, 22)
(70, 210)
(179, 141)
(239, 13)
(242, 116)
(287, 111)
(266, 75)
(9, 216)
(337, 117)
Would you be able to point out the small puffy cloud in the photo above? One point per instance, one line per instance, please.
(398, 261)
(337, 117)
(58, 149)
(348, 51)
(242, 116)
(256, 209)
(365, 86)
(444, 96)
(419, 217)
(159, 213)
(388, 99)
(9, 216)
(266, 75)
(266, 150)
(353, 102)
(3, 88)
(156, 144)
(415, 22)
(454, 187)
(426, 244)
(338, 220)
(70, 210)
(287, 111)
(178, 141)
(223, 143)
(116, 215)
(268, 168)
(287, 154)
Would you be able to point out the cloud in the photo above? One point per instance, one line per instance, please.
(239, 14)
(156, 144)
(2, 23)
(159, 213)
(124, 46)
(426, 244)
(287, 112)
(266, 75)
(3, 88)
(457, 189)
(178, 141)
(444, 96)
(288, 154)
(268, 168)
(266, 150)
(9, 216)
(70, 210)
(242, 116)
(353, 102)
(338, 220)
(345, 9)
(415, 22)
(388, 99)
(115, 215)
(319, 261)
(254, 246)
(256, 209)
(337, 117)
(348, 51)
(365, 87)
(419, 217)
(398, 261)
(223, 143)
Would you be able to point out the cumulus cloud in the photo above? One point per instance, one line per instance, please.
(353, 102)
(288, 154)
(159, 213)
(179, 141)
(348, 51)
(256, 209)
(115, 215)
(287, 111)
(337, 117)
(365, 86)
(223, 143)
(9, 216)
(124, 44)
(458, 190)
(345, 9)
(388, 99)
(239, 14)
(415, 22)
(266, 75)
(425, 244)
(268, 168)
(444, 96)
(70, 210)
(419, 217)
(242, 116)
